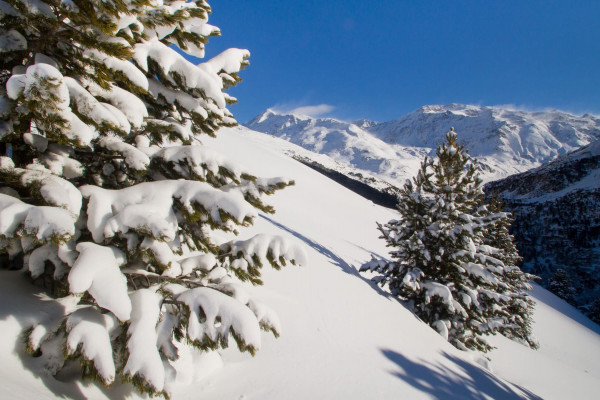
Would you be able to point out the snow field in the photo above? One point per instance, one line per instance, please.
(341, 336)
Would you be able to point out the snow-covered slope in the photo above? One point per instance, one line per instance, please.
(505, 141)
(579, 170)
(342, 337)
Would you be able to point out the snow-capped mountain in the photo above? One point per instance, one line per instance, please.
(505, 141)
(349, 144)
(557, 225)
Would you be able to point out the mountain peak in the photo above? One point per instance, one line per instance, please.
(264, 115)
(270, 115)
(364, 123)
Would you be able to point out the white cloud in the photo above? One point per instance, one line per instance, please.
(312, 111)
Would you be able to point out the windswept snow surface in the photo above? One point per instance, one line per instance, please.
(341, 336)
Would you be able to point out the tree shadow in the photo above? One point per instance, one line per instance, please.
(27, 304)
(462, 380)
(333, 258)
(373, 254)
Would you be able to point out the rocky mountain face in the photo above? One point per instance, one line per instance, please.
(504, 141)
(557, 222)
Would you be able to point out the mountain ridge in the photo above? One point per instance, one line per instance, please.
(505, 141)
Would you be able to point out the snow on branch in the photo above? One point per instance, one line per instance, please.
(44, 83)
(144, 359)
(54, 190)
(45, 224)
(230, 61)
(172, 63)
(89, 335)
(38, 258)
(97, 272)
(446, 296)
(267, 318)
(197, 162)
(246, 257)
(133, 74)
(253, 188)
(169, 128)
(100, 113)
(203, 77)
(149, 208)
(480, 271)
(134, 158)
(214, 315)
(58, 159)
(128, 103)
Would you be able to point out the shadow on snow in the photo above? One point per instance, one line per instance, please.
(462, 380)
(334, 258)
(28, 305)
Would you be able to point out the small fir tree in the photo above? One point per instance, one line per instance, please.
(455, 281)
(562, 285)
(107, 196)
(593, 311)
(518, 314)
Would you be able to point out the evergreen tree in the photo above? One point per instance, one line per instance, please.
(562, 285)
(442, 264)
(518, 313)
(108, 197)
(593, 311)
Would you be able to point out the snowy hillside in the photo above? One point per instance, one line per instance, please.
(505, 141)
(342, 337)
(579, 170)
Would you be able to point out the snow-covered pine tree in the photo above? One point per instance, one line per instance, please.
(441, 262)
(108, 197)
(518, 313)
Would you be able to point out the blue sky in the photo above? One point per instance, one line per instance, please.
(382, 59)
